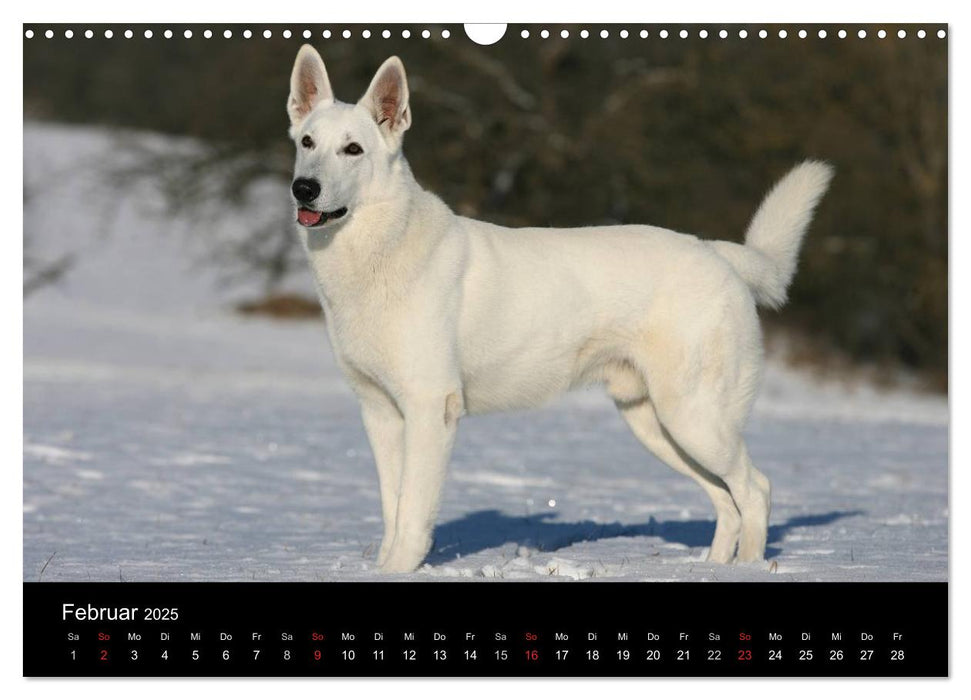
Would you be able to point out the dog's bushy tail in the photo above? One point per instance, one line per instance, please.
(767, 261)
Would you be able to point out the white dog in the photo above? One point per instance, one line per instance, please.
(433, 316)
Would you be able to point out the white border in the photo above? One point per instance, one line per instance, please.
(601, 11)
(439, 11)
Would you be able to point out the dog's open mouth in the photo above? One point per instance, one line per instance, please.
(312, 219)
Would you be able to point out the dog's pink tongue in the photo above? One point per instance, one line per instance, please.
(306, 217)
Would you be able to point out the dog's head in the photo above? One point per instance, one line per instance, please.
(346, 154)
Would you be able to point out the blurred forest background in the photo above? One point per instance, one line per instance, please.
(686, 134)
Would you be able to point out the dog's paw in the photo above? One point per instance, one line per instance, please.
(394, 565)
(384, 551)
(400, 561)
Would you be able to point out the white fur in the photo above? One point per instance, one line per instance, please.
(433, 315)
(767, 261)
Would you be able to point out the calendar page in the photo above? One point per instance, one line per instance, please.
(485, 350)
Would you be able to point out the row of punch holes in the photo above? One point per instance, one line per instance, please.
(525, 34)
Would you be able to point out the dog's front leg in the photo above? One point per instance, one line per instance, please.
(430, 424)
(386, 432)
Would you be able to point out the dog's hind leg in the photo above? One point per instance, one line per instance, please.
(753, 489)
(697, 424)
(702, 378)
(642, 419)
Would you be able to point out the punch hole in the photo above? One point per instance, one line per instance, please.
(366, 33)
(783, 33)
(386, 34)
(228, 34)
(624, 34)
(882, 34)
(821, 34)
(941, 34)
(663, 34)
(545, 34)
(703, 33)
(841, 34)
(29, 34)
(425, 34)
(524, 34)
(406, 34)
(644, 34)
(88, 34)
(207, 34)
(763, 34)
(129, 33)
(109, 33)
(564, 34)
(742, 34)
(803, 33)
(267, 33)
(307, 33)
(187, 33)
(68, 34)
(167, 34)
(604, 33)
(487, 34)
(584, 34)
(861, 33)
(901, 34)
(287, 34)
(683, 33)
(247, 34)
(346, 34)
(446, 34)
(723, 34)
(326, 34)
(148, 34)
(921, 33)
(49, 34)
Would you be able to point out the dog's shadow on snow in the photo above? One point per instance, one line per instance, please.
(486, 529)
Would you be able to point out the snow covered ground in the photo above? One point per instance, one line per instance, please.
(166, 438)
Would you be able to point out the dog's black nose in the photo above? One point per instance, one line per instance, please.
(305, 189)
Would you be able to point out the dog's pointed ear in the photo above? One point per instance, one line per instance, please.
(387, 97)
(309, 85)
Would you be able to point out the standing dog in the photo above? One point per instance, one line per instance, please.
(433, 316)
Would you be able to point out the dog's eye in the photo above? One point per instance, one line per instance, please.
(307, 142)
(353, 149)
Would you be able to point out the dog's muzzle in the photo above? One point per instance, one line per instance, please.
(306, 190)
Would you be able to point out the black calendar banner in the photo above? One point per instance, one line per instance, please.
(513, 629)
